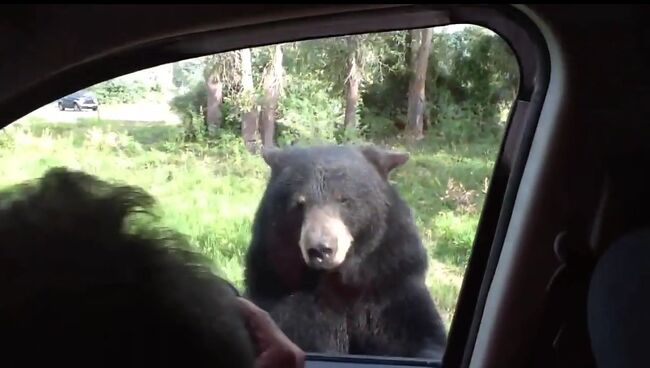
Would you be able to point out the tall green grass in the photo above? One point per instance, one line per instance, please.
(210, 192)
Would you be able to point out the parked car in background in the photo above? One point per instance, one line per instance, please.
(78, 101)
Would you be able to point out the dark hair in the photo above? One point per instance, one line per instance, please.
(87, 278)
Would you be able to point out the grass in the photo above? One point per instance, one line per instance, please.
(211, 193)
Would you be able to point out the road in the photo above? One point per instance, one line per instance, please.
(138, 112)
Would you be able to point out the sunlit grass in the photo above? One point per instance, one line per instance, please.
(211, 193)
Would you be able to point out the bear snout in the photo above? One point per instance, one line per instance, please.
(324, 239)
(320, 255)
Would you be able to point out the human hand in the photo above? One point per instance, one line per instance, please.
(274, 349)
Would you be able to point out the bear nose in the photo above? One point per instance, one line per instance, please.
(320, 252)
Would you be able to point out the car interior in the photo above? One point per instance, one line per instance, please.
(555, 275)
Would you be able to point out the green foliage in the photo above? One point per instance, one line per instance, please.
(307, 114)
(472, 78)
(6, 138)
(225, 67)
(190, 108)
(232, 111)
(210, 190)
(377, 125)
(194, 101)
(461, 123)
(187, 73)
(122, 91)
(476, 78)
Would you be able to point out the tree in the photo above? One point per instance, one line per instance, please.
(414, 39)
(352, 82)
(220, 74)
(420, 40)
(214, 85)
(186, 74)
(272, 85)
(373, 84)
(250, 115)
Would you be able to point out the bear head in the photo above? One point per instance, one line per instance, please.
(337, 195)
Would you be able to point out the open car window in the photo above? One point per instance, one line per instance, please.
(459, 91)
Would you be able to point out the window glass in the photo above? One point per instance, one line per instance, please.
(340, 267)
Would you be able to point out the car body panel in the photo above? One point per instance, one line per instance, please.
(79, 100)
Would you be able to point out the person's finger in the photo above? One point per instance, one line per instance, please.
(258, 317)
(246, 306)
(249, 312)
(250, 309)
(299, 357)
(270, 336)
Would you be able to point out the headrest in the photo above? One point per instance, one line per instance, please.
(619, 303)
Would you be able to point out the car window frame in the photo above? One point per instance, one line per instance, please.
(510, 162)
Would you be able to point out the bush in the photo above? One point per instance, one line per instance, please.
(231, 110)
(376, 126)
(192, 102)
(6, 138)
(466, 123)
(190, 109)
(120, 91)
(308, 114)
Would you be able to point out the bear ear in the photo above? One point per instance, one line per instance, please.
(385, 161)
(271, 156)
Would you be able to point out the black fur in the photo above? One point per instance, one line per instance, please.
(89, 280)
(376, 302)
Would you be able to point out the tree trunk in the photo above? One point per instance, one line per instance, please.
(271, 83)
(215, 98)
(352, 85)
(249, 118)
(414, 35)
(416, 95)
(165, 78)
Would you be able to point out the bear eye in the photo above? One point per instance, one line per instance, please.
(344, 201)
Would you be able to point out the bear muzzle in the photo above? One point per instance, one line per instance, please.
(324, 239)
(320, 255)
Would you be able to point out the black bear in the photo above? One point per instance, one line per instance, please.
(335, 257)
